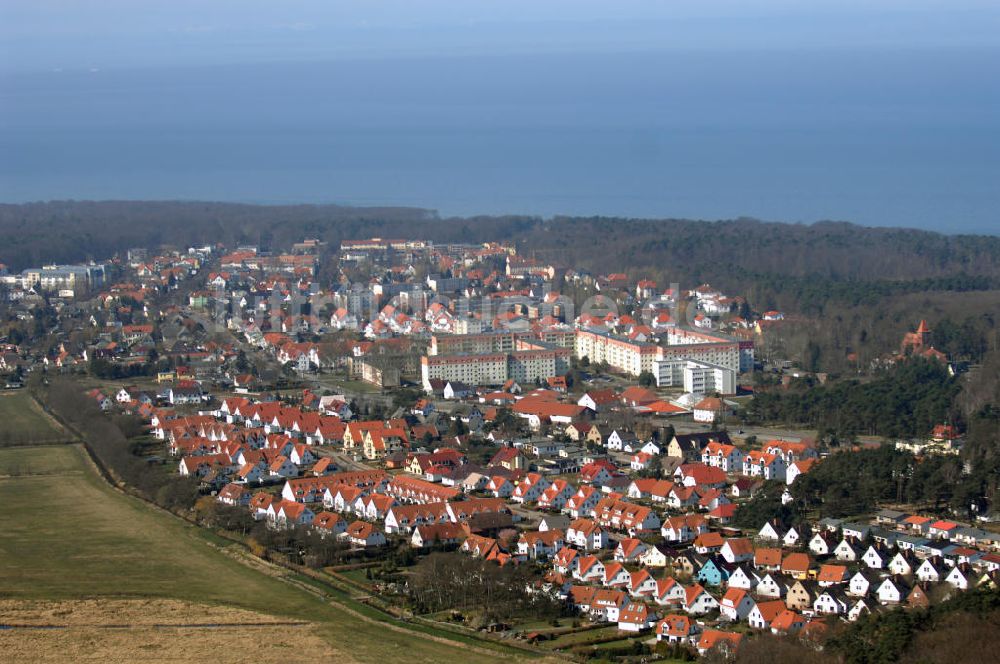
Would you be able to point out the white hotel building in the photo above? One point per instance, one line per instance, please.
(695, 376)
(634, 357)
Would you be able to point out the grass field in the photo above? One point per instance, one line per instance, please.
(574, 638)
(23, 421)
(68, 536)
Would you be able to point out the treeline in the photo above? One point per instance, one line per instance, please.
(104, 436)
(882, 638)
(849, 483)
(108, 370)
(814, 293)
(674, 249)
(299, 545)
(904, 401)
(455, 581)
(958, 630)
(766, 505)
(726, 251)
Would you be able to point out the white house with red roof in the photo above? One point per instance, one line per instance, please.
(589, 569)
(791, 450)
(586, 534)
(758, 463)
(530, 488)
(607, 604)
(364, 534)
(282, 466)
(582, 502)
(556, 495)
(677, 629)
(629, 549)
(597, 473)
(288, 514)
(234, 494)
(329, 523)
(698, 601)
(643, 583)
(636, 617)
(736, 604)
(799, 468)
(300, 455)
(737, 550)
(598, 400)
(500, 487)
(669, 592)
(683, 528)
(616, 575)
(728, 458)
(566, 560)
(711, 409)
(641, 461)
(700, 475)
(540, 544)
(251, 473)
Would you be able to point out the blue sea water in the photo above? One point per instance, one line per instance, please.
(878, 136)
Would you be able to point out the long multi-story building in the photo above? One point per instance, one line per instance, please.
(473, 344)
(360, 250)
(529, 365)
(632, 357)
(64, 277)
(723, 354)
(712, 347)
(524, 366)
(500, 342)
(635, 357)
(478, 369)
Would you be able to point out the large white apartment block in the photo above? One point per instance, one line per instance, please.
(526, 366)
(63, 277)
(480, 369)
(634, 357)
(703, 347)
(695, 376)
(631, 357)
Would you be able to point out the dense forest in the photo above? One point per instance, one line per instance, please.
(682, 250)
(850, 483)
(906, 400)
(944, 632)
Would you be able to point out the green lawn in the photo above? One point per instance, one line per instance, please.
(584, 636)
(68, 535)
(23, 421)
(357, 576)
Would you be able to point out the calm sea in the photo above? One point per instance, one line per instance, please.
(876, 137)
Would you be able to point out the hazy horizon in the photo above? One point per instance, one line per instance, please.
(881, 116)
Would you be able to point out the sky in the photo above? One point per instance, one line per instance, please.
(39, 34)
(885, 112)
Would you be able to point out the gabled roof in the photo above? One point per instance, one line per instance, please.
(711, 638)
(786, 620)
(739, 546)
(767, 557)
(795, 562)
(832, 573)
(691, 593)
(771, 610)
